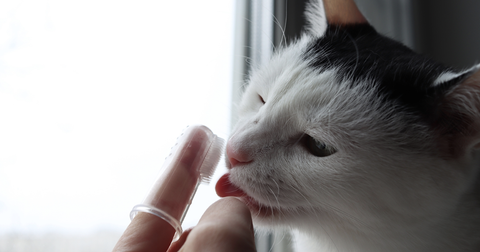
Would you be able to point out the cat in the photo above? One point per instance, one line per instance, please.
(358, 142)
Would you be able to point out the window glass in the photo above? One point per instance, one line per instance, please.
(92, 96)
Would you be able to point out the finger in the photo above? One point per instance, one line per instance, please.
(175, 246)
(146, 232)
(225, 226)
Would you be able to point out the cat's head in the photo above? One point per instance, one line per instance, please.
(345, 127)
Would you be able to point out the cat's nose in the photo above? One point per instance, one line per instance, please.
(236, 156)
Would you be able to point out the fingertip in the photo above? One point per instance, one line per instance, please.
(229, 208)
(234, 204)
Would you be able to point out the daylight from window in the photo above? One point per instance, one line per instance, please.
(93, 95)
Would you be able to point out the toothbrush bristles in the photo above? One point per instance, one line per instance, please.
(211, 160)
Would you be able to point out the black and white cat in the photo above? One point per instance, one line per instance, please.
(359, 143)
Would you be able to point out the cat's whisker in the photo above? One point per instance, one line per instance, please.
(270, 204)
(280, 26)
(247, 59)
(356, 50)
(285, 123)
(278, 188)
(274, 195)
(324, 204)
(277, 241)
(337, 210)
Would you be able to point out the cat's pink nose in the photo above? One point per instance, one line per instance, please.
(236, 156)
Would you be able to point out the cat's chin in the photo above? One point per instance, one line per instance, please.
(261, 213)
(268, 217)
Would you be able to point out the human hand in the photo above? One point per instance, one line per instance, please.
(225, 226)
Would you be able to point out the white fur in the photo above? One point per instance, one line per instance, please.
(386, 188)
(451, 75)
(445, 77)
(316, 18)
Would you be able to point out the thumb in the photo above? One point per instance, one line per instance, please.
(225, 226)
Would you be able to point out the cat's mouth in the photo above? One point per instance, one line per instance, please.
(225, 188)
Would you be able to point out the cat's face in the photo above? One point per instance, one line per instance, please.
(373, 163)
(318, 142)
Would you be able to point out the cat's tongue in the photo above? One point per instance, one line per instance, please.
(225, 188)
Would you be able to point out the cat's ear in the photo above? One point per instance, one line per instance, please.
(335, 12)
(459, 109)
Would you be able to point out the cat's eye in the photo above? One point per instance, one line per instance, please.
(261, 99)
(318, 148)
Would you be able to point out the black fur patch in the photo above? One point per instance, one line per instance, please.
(360, 53)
